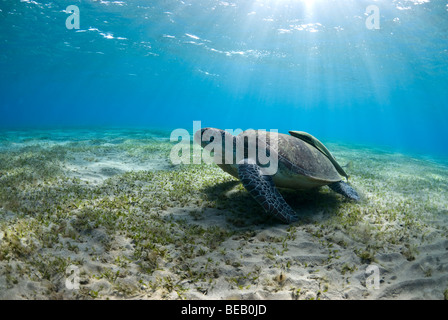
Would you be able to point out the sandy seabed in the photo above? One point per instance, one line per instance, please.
(105, 215)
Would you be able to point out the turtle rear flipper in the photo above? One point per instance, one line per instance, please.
(263, 190)
(345, 189)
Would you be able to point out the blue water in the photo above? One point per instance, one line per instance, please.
(265, 64)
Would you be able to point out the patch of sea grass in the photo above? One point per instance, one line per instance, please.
(49, 208)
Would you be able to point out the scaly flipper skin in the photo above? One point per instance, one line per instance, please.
(263, 190)
(344, 189)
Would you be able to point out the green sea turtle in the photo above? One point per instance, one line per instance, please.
(302, 162)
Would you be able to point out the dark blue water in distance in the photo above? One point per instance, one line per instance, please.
(309, 65)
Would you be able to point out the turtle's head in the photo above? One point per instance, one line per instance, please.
(206, 136)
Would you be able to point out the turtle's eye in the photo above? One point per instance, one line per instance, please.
(212, 138)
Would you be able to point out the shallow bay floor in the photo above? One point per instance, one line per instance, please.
(110, 205)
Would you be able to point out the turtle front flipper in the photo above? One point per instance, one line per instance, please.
(345, 189)
(263, 190)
